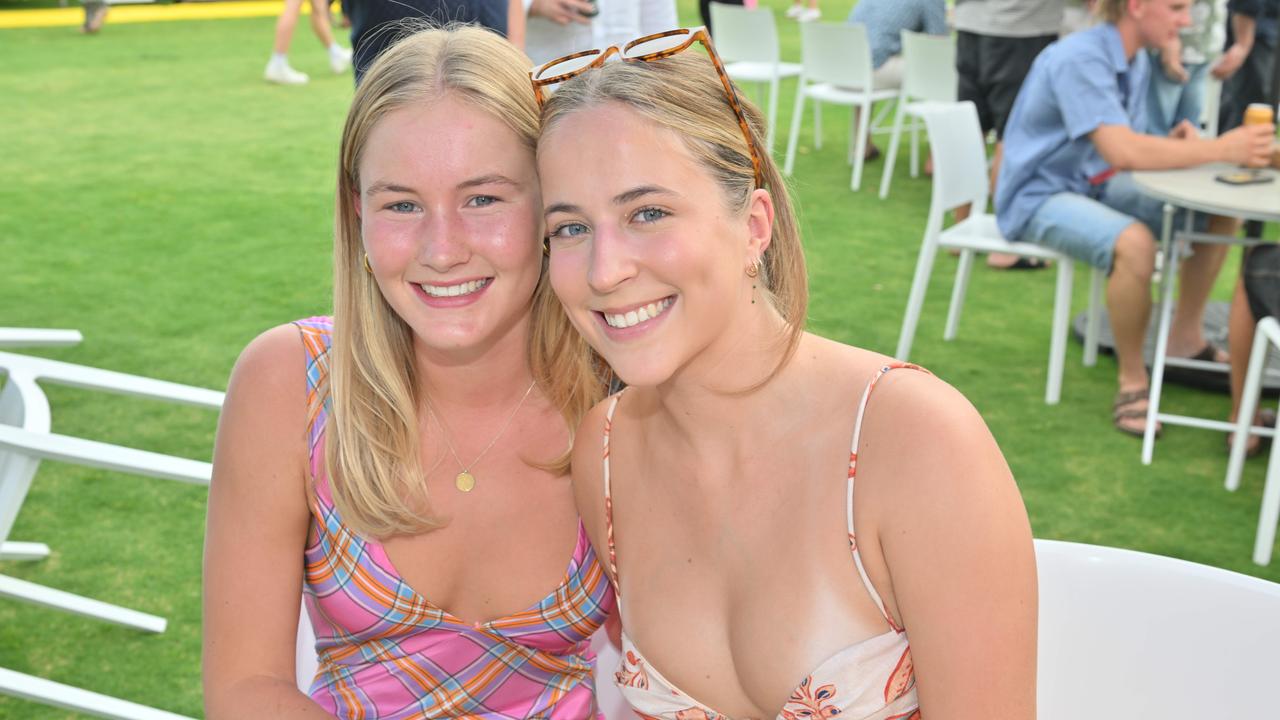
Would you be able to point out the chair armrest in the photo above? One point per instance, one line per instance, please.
(91, 453)
(89, 378)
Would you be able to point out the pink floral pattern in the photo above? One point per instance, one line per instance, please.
(809, 703)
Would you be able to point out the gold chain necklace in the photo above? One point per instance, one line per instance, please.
(465, 481)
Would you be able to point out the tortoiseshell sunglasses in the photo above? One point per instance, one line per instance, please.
(646, 49)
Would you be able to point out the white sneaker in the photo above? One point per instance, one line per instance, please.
(339, 59)
(809, 15)
(282, 74)
(794, 11)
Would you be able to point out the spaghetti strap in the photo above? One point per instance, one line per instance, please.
(853, 466)
(608, 491)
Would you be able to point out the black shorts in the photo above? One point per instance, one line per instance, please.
(1262, 280)
(991, 72)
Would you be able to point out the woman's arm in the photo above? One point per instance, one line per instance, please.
(516, 23)
(255, 537)
(955, 543)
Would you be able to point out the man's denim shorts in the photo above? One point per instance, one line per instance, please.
(1086, 226)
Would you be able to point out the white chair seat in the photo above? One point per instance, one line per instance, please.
(960, 178)
(826, 92)
(748, 71)
(1126, 634)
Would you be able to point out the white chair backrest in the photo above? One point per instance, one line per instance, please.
(1125, 634)
(22, 405)
(929, 66)
(836, 53)
(306, 663)
(959, 154)
(742, 34)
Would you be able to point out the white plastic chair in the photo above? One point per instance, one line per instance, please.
(1126, 634)
(960, 178)
(928, 73)
(836, 61)
(25, 440)
(1267, 335)
(747, 41)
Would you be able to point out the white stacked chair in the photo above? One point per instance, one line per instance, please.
(1126, 634)
(25, 440)
(929, 73)
(1265, 337)
(960, 178)
(836, 62)
(747, 41)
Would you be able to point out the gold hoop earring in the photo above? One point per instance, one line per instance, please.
(367, 267)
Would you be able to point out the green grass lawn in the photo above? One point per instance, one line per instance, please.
(158, 196)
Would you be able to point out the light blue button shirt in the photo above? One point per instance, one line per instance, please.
(1075, 86)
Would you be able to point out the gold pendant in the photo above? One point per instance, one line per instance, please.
(465, 481)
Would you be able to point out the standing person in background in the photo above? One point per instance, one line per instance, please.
(278, 68)
(996, 43)
(376, 24)
(800, 13)
(885, 20)
(95, 16)
(1074, 138)
(560, 27)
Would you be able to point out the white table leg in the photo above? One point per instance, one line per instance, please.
(1167, 274)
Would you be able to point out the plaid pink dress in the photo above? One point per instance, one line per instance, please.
(388, 653)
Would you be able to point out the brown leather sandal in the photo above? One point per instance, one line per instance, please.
(1126, 407)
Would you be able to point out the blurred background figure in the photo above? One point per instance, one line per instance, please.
(885, 20)
(560, 27)
(278, 68)
(95, 16)
(1247, 66)
(800, 13)
(1179, 69)
(377, 24)
(996, 42)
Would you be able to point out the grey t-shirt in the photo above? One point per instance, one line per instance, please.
(1009, 18)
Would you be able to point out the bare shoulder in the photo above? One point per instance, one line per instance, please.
(264, 416)
(588, 471)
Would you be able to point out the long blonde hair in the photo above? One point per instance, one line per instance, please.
(372, 446)
(684, 94)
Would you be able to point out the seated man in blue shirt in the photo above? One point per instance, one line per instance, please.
(1069, 146)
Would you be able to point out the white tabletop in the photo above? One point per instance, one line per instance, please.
(1196, 189)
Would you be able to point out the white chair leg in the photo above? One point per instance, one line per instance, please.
(48, 597)
(793, 136)
(919, 286)
(817, 124)
(886, 175)
(1270, 513)
(915, 150)
(773, 112)
(1248, 404)
(958, 290)
(1093, 320)
(860, 150)
(1058, 339)
(48, 692)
